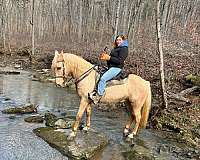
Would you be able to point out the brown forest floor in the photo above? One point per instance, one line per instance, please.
(180, 60)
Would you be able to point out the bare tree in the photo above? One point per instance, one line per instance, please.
(33, 27)
(165, 13)
(160, 51)
(3, 24)
(117, 17)
(72, 20)
(80, 19)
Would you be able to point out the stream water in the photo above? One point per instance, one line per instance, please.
(18, 142)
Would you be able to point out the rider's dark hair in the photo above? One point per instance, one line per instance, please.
(124, 37)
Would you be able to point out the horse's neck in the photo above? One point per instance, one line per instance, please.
(79, 66)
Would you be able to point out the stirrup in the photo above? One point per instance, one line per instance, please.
(95, 97)
(91, 94)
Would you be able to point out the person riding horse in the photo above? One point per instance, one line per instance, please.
(115, 62)
(133, 90)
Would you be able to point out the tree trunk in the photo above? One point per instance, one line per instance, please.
(33, 28)
(165, 14)
(117, 18)
(160, 51)
(3, 25)
(80, 20)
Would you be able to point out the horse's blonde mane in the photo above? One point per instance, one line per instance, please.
(74, 59)
(77, 63)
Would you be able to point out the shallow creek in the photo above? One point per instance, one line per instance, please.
(18, 142)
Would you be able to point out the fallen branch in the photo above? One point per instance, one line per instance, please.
(189, 90)
(178, 97)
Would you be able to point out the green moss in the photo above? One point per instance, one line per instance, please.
(193, 79)
(139, 153)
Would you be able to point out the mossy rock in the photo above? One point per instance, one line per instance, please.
(84, 146)
(195, 80)
(27, 108)
(34, 119)
(138, 152)
(50, 119)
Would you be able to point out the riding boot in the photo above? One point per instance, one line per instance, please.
(94, 96)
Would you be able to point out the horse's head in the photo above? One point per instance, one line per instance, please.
(58, 68)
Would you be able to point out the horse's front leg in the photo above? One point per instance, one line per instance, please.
(88, 117)
(83, 105)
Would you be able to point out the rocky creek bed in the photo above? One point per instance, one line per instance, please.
(149, 144)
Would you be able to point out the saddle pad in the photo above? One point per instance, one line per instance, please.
(111, 82)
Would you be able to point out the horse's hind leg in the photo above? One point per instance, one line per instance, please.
(130, 121)
(137, 106)
(128, 125)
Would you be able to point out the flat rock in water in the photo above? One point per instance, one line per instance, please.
(84, 146)
(9, 72)
(34, 119)
(27, 108)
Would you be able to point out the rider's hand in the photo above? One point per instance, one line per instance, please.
(104, 57)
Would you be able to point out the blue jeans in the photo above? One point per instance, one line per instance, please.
(108, 75)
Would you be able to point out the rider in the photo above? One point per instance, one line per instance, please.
(115, 62)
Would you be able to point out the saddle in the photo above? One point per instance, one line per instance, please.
(119, 79)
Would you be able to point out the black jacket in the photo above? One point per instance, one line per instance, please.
(118, 56)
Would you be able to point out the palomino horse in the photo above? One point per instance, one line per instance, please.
(135, 90)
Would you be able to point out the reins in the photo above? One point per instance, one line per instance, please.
(77, 80)
(85, 74)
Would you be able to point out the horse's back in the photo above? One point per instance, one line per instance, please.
(137, 82)
(137, 78)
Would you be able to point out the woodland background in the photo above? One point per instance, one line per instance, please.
(85, 27)
(92, 23)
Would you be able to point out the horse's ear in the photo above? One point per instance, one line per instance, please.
(62, 52)
(56, 52)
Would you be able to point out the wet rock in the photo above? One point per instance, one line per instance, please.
(7, 99)
(84, 146)
(34, 119)
(60, 123)
(27, 108)
(137, 152)
(55, 122)
(9, 72)
(50, 119)
(12, 117)
(135, 149)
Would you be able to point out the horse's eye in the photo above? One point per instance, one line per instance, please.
(58, 68)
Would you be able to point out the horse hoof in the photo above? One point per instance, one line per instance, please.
(131, 135)
(126, 132)
(86, 129)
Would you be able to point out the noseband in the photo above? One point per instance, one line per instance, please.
(63, 70)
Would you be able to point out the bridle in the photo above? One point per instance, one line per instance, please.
(77, 80)
(63, 70)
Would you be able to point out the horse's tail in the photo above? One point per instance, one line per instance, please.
(146, 108)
